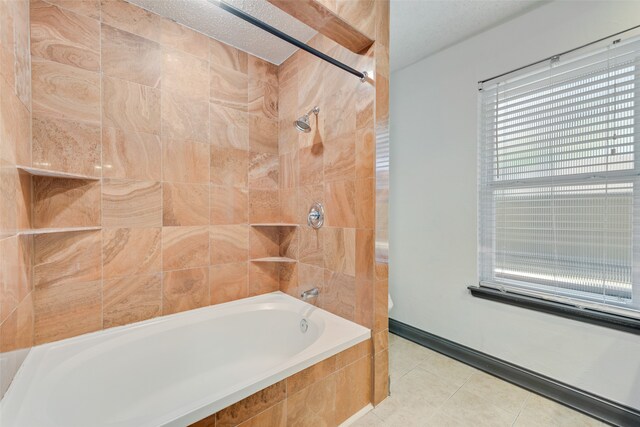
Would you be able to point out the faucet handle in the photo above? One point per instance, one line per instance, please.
(310, 294)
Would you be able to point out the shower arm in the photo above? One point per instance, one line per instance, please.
(362, 75)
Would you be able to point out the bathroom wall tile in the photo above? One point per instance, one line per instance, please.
(63, 36)
(185, 74)
(310, 86)
(288, 279)
(365, 251)
(64, 310)
(90, 8)
(311, 246)
(275, 416)
(365, 203)
(380, 341)
(66, 258)
(179, 37)
(340, 158)
(380, 305)
(252, 405)
(264, 242)
(263, 99)
(229, 243)
(185, 204)
(228, 282)
(338, 294)
(314, 405)
(185, 161)
(130, 106)
(229, 166)
(311, 160)
(341, 113)
(229, 88)
(184, 118)
(289, 242)
(263, 134)
(228, 56)
(185, 290)
(22, 56)
(288, 177)
(130, 57)
(185, 247)
(128, 17)
(288, 205)
(15, 273)
(65, 92)
(263, 206)
(264, 170)
(365, 108)
(130, 155)
(340, 250)
(307, 196)
(9, 183)
(229, 127)
(353, 388)
(263, 278)
(263, 71)
(311, 375)
(353, 354)
(66, 146)
(365, 153)
(381, 376)
(288, 70)
(16, 331)
(131, 299)
(339, 197)
(364, 303)
(228, 205)
(15, 127)
(131, 203)
(131, 251)
(310, 277)
(65, 203)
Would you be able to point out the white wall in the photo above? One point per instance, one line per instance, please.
(433, 205)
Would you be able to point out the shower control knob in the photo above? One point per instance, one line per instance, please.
(315, 219)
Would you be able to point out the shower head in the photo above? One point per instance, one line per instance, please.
(302, 124)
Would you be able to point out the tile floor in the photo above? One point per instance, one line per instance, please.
(429, 389)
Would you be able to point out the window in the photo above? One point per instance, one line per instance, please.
(559, 195)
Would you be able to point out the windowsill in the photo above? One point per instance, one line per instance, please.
(609, 320)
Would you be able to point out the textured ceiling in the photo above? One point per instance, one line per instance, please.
(207, 18)
(420, 28)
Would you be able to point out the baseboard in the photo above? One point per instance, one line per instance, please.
(595, 406)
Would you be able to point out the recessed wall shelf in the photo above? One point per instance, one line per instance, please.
(274, 259)
(56, 230)
(55, 174)
(275, 224)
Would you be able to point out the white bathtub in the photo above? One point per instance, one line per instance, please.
(173, 370)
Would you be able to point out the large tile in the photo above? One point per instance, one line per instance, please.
(229, 166)
(365, 252)
(90, 8)
(405, 356)
(228, 56)
(184, 118)
(340, 250)
(229, 243)
(353, 388)
(263, 134)
(15, 273)
(131, 251)
(228, 88)
(228, 205)
(263, 206)
(131, 299)
(456, 372)
(228, 282)
(369, 420)
(365, 153)
(130, 57)
(61, 203)
(365, 203)
(338, 294)
(275, 416)
(185, 161)
(314, 405)
(66, 146)
(185, 204)
(381, 381)
(16, 332)
(131, 106)
(340, 158)
(179, 37)
(252, 405)
(63, 36)
(185, 247)
(131, 155)
(311, 375)
(540, 411)
(341, 113)
(64, 310)
(465, 408)
(15, 144)
(340, 203)
(263, 170)
(64, 92)
(131, 203)
(229, 127)
(185, 290)
(131, 18)
(263, 278)
(288, 175)
(185, 74)
(67, 258)
(498, 393)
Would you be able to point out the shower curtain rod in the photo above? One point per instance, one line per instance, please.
(558, 55)
(286, 37)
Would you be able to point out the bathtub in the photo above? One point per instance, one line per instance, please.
(173, 370)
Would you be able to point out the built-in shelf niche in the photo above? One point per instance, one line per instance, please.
(56, 230)
(55, 174)
(275, 224)
(282, 259)
(274, 242)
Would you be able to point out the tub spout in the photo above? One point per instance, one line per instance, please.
(310, 294)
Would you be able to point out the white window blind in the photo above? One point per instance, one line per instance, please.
(558, 180)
